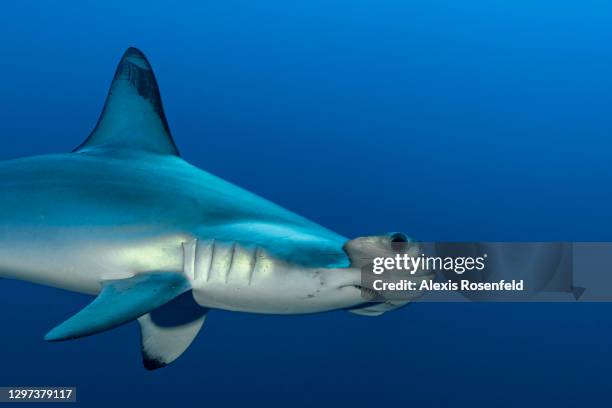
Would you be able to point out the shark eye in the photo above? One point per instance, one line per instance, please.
(398, 237)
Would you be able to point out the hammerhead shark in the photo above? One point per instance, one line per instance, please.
(160, 241)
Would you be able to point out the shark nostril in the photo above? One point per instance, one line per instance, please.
(398, 237)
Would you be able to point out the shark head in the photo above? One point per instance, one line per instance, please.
(271, 281)
(362, 252)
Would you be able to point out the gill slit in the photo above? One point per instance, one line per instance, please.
(231, 262)
(253, 264)
(195, 255)
(210, 262)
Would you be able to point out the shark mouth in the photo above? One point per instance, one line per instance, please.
(368, 293)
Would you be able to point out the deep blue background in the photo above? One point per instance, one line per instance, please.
(446, 120)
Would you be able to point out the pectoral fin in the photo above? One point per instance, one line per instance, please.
(121, 301)
(168, 331)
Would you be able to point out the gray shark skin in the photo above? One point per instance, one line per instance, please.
(156, 239)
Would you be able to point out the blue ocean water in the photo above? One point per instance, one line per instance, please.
(446, 120)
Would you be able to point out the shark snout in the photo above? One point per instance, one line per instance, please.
(363, 250)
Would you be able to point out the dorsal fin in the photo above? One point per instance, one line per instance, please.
(133, 116)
